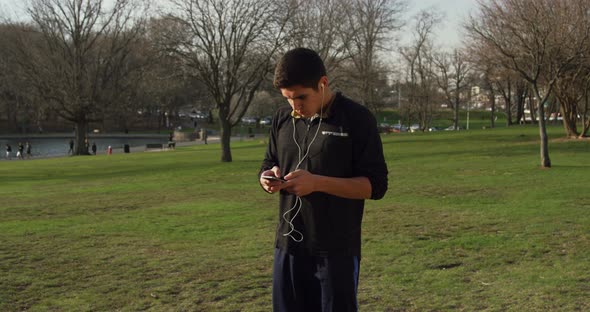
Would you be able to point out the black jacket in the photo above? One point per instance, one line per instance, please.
(347, 145)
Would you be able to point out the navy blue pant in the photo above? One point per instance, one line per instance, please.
(314, 283)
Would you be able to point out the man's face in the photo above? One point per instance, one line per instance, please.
(304, 101)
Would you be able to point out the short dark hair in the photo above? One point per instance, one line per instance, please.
(299, 66)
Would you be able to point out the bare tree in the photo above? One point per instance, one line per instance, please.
(538, 39)
(514, 90)
(420, 67)
(522, 92)
(570, 90)
(451, 77)
(229, 45)
(489, 85)
(81, 60)
(320, 25)
(167, 86)
(261, 103)
(371, 23)
(129, 87)
(497, 77)
(21, 108)
(585, 111)
(11, 91)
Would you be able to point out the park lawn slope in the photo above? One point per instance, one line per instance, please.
(471, 222)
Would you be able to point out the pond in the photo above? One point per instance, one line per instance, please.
(54, 146)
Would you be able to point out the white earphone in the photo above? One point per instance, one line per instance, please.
(298, 202)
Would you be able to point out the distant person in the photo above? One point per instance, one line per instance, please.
(28, 148)
(71, 151)
(20, 150)
(8, 151)
(171, 143)
(94, 148)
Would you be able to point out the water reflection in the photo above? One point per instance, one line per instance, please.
(59, 146)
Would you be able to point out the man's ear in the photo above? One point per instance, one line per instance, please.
(323, 83)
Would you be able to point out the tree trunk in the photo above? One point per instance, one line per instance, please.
(554, 108)
(532, 107)
(569, 115)
(210, 116)
(81, 147)
(569, 122)
(585, 120)
(493, 109)
(545, 161)
(225, 140)
(508, 105)
(520, 100)
(456, 113)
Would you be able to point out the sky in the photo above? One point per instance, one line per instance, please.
(455, 11)
(447, 34)
(11, 8)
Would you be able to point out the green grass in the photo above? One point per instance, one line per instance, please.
(471, 222)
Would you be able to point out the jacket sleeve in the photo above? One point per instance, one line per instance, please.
(368, 159)
(270, 157)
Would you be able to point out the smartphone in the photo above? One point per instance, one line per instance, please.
(273, 178)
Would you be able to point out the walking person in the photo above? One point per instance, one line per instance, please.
(87, 146)
(20, 150)
(71, 150)
(8, 151)
(28, 149)
(324, 158)
(94, 148)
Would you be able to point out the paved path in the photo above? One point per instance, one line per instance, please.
(139, 149)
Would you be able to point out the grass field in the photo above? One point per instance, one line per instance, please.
(470, 222)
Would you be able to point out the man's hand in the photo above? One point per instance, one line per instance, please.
(300, 182)
(271, 186)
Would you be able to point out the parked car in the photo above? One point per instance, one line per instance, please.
(399, 128)
(266, 121)
(452, 127)
(248, 120)
(198, 115)
(384, 127)
(415, 128)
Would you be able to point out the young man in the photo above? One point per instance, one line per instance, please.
(328, 150)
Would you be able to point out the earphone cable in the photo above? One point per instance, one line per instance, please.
(298, 201)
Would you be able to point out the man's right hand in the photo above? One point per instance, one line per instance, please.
(271, 186)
